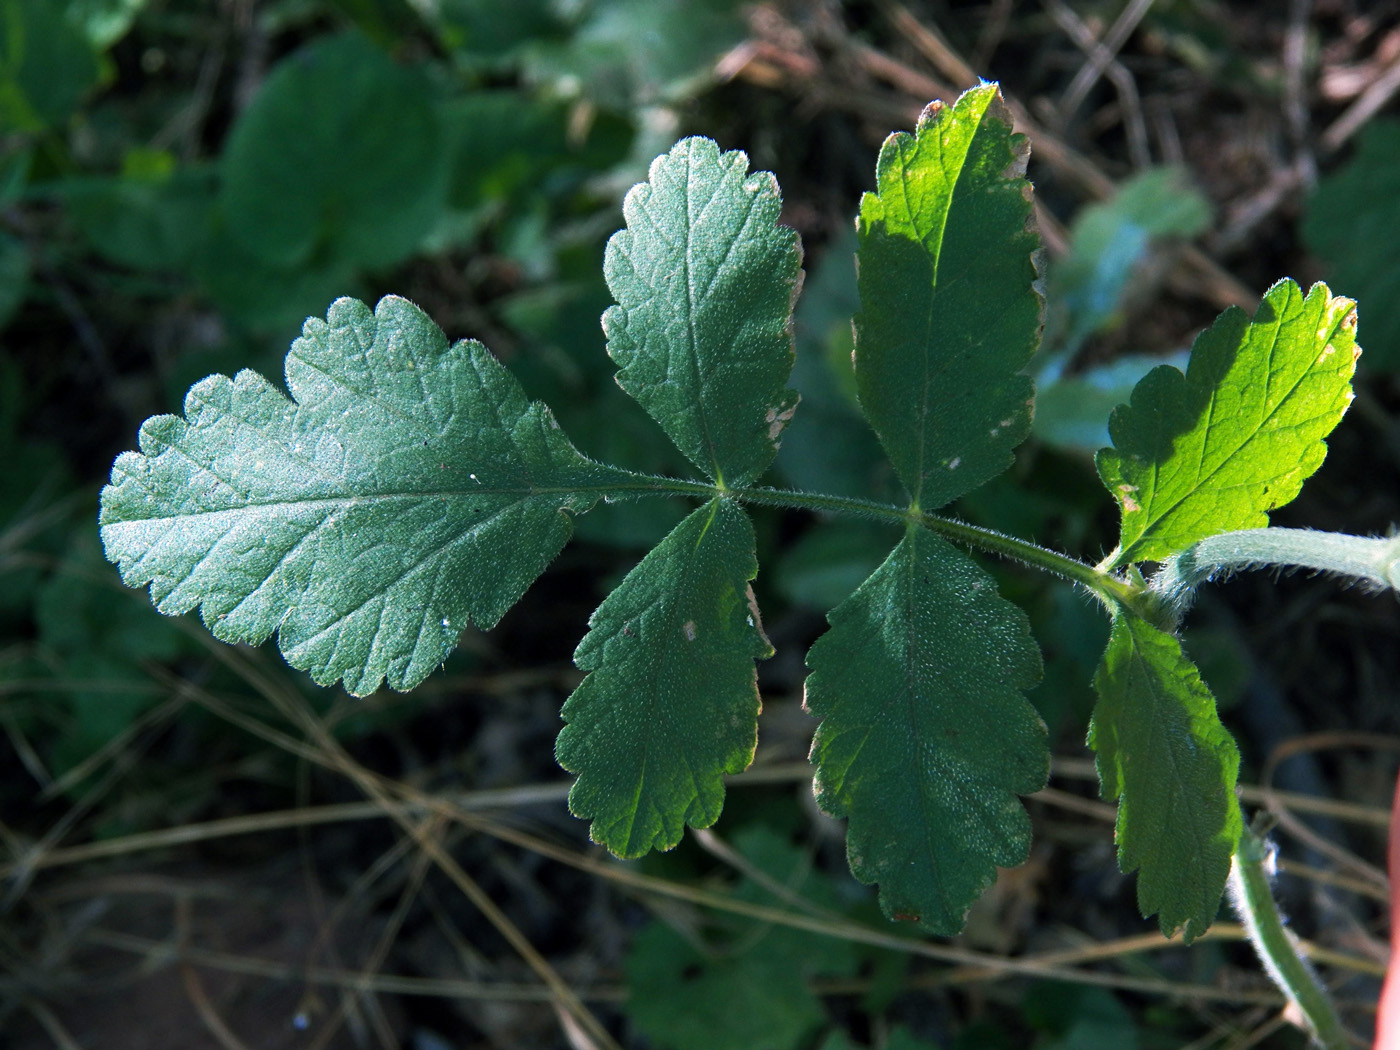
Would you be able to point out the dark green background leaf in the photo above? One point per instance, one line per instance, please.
(1109, 242)
(650, 52)
(1351, 221)
(157, 222)
(1072, 411)
(829, 446)
(760, 975)
(103, 22)
(340, 154)
(46, 66)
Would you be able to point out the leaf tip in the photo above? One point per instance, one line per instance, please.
(930, 113)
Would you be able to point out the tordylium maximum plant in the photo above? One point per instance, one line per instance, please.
(408, 486)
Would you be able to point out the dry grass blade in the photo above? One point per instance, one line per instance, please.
(1380, 91)
(333, 757)
(407, 807)
(1281, 808)
(159, 953)
(214, 1024)
(1102, 61)
(52, 1027)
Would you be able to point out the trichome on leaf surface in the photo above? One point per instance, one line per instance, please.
(408, 486)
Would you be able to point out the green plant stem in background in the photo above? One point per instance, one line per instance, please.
(1376, 561)
(1278, 949)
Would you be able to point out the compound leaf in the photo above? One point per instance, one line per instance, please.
(926, 739)
(1163, 754)
(705, 279)
(1234, 438)
(408, 487)
(950, 302)
(672, 702)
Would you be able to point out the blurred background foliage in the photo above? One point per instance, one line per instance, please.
(183, 181)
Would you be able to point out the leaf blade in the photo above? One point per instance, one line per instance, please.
(1163, 754)
(1218, 449)
(705, 280)
(919, 687)
(671, 659)
(407, 487)
(951, 216)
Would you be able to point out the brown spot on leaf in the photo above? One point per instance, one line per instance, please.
(755, 619)
(778, 419)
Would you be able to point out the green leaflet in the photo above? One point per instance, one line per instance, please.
(925, 739)
(1163, 754)
(950, 301)
(1217, 449)
(704, 280)
(672, 702)
(408, 487)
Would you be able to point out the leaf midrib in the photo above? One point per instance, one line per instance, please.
(362, 498)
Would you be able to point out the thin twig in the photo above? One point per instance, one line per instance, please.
(721, 850)
(194, 989)
(1103, 54)
(52, 1026)
(1295, 104)
(324, 976)
(331, 755)
(1364, 108)
(1102, 61)
(1273, 799)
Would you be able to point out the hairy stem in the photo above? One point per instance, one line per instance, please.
(1278, 949)
(958, 531)
(1373, 561)
(1111, 589)
(1114, 590)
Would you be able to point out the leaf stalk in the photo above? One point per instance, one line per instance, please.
(1127, 591)
(1278, 949)
(1374, 561)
